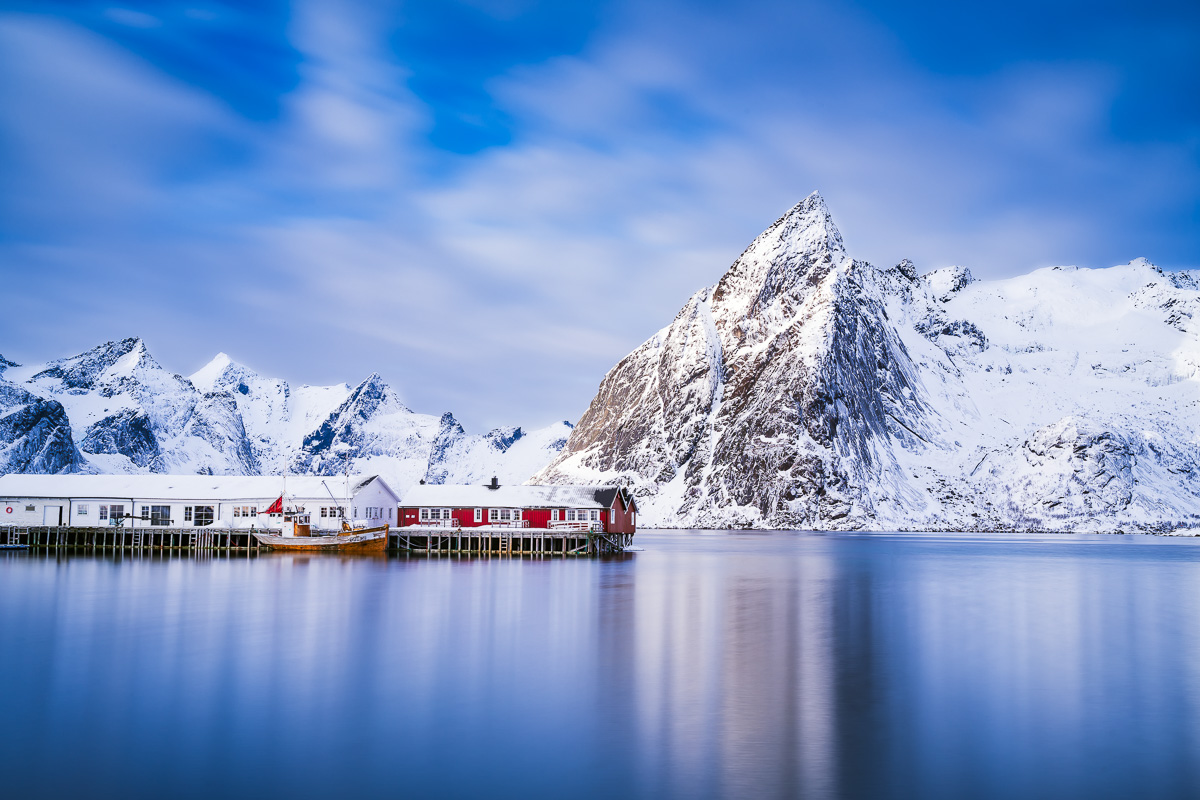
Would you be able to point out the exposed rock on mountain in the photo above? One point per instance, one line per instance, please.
(807, 389)
(129, 433)
(35, 435)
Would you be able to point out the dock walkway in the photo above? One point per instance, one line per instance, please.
(490, 540)
(418, 540)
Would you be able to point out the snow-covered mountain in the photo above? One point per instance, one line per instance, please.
(115, 409)
(807, 389)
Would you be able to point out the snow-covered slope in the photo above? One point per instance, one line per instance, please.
(115, 409)
(276, 416)
(807, 389)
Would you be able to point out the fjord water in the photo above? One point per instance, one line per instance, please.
(708, 665)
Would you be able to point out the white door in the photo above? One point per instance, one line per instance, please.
(52, 515)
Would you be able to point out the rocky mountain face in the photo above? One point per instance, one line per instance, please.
(115, 409)
(810, 390)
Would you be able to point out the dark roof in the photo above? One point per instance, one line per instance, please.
(607, 497)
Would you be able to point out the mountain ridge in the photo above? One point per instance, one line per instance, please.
(809, 389)
(114, 408)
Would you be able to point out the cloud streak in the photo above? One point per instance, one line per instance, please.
(324, 232)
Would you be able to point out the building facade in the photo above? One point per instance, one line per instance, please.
(193, 501)
(610, 509)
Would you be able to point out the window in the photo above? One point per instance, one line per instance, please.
(554, 515)
(202, 515)
(505, 515)
(81, 509)
(570, 515)
(116, 512)
(424, 515)
(187, 513)
(493, 514)
(254, 511)
(237, 512)
(103, 512)
(145, 512)
(324, 512)
(595, 515)
(160, 515)
(479, 515)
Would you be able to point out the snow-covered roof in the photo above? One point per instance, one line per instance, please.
(182, 487)
(455, 496)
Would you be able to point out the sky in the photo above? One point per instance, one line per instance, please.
(491, 202)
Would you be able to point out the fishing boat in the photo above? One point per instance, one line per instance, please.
(351, 538)
(297, 533)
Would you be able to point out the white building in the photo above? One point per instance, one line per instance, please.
(192, 501)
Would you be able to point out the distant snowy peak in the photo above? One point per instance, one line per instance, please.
(109, 361)
(115, 409)
(221, 373)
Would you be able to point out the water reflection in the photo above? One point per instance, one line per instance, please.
(710, 665)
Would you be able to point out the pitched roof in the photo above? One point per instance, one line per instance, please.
(182, 487)
(456, 496)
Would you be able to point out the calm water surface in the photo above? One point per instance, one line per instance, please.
(708, 665)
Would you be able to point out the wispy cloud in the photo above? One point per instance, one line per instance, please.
(320, 223)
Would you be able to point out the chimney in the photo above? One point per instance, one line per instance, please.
(495, 484)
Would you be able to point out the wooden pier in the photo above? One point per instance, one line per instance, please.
(507, 541)
(113, 538)
(428, 541)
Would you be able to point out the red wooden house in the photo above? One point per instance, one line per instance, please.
(610, 509)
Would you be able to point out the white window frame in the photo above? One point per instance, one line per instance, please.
(479, 515)
(81, 509)
(103, 513)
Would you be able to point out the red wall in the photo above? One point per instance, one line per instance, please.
(617, 520)
(622, 518)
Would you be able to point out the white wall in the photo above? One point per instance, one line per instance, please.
(373, 496)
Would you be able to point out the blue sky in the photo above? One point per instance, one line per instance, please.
(490, 203)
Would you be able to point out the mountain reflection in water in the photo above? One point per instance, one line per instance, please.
(708, 665)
